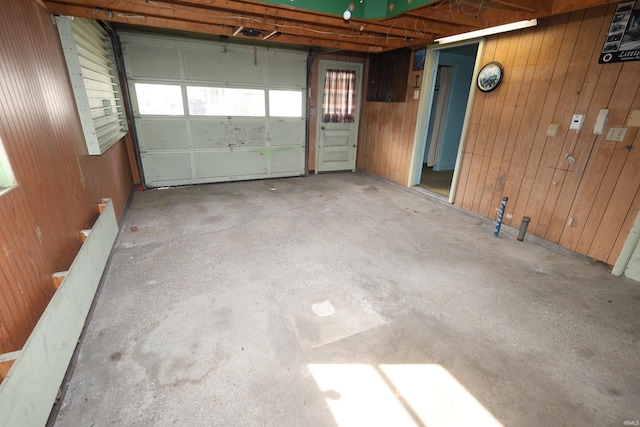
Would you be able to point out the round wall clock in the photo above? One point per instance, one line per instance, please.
(490, 76)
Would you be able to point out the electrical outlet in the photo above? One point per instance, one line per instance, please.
(616, 134)
(552, 130)
(576, 121)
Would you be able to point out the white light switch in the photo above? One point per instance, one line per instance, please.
(616, 134)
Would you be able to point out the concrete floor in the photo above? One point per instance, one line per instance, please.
(339, 300)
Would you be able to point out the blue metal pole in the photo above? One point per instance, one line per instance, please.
(503, 206)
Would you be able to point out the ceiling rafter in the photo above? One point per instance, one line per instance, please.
(399, 26)
(226, 23)
(470, 16)
(189, 26)
(417, 27)
(543, 7)
(560, 6)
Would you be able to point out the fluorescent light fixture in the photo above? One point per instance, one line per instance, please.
(488, 31)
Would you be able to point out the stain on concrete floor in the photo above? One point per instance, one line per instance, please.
(205, 316)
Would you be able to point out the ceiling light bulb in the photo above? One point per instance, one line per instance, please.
(346, 15)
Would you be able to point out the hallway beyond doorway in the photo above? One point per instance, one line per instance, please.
(438, 182)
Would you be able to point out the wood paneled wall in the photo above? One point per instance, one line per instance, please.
(313, 100)
(385, 139)
(59, 185)
(551, 72)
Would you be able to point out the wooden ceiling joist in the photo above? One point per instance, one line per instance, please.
(560, 6)
(196, 27)
(365, 36)
(473, 18)
(540, 7)
(417, 27)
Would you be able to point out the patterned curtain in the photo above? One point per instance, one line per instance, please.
(339, 100)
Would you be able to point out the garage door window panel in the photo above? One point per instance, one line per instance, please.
(219, 101)
(160, 100)
(285, 103)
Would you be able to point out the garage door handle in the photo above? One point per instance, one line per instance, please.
(322, 128)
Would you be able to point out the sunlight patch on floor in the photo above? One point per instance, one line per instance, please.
(358, 396)
(398, 395)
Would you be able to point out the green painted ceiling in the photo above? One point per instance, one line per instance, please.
(362, 9)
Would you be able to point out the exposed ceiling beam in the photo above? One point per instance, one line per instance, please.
(365, 34)
(203, 28)
(399, 26)
(472, 17)
(542, 6)
(417, 27)
(565, 6)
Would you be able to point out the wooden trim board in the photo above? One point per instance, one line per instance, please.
(6, 361)
(29, 391)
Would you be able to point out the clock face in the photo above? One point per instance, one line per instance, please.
(490, 76)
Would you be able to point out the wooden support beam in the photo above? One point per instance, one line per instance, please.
(6, 361)
(58, 278)
(542, 7)
(223, 23)
(303, 27)
(103, 204)
(4, 368)
(470, 17)
(84, 234)
(561, 6)
(386, 36)
(28, 393)
(222, 30)
(284, 14)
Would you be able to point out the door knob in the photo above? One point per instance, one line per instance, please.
(322, 128)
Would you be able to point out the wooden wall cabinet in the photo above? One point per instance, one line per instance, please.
(388, 75)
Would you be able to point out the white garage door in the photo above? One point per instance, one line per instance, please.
(210, 111)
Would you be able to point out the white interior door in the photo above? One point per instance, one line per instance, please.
(442, 102)
(628, 263)
(339, 100)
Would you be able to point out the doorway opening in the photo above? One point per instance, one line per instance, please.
(451, 71)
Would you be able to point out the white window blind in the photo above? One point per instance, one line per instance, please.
(6, 174)
(94, 78)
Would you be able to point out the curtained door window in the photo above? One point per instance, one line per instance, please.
(339, 98)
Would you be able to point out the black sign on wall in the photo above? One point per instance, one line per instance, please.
(623, 39)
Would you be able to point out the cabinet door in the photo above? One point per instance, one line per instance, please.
(387, 77)
(372, 78)
(401, 62)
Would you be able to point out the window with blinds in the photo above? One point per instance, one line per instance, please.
(6, 174)
(94, 78)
